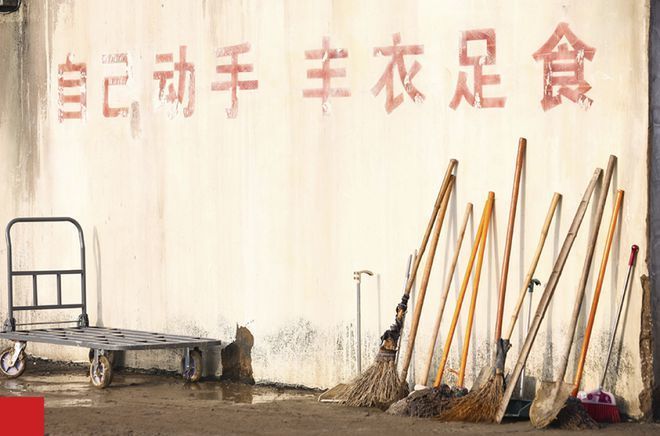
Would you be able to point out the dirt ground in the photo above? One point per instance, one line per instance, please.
(142, 403)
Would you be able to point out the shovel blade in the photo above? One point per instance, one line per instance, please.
(549, 401)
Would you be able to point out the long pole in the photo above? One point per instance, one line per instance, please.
(631, 262)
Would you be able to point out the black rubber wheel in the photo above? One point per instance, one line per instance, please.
(194, 372)
(17, 369)
(101, 374)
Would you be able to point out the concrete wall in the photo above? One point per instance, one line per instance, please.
(197, 223)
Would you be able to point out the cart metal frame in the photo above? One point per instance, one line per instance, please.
(100, 340)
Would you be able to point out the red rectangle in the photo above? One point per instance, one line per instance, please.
(22, 415)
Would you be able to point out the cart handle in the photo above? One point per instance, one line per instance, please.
(10, 324)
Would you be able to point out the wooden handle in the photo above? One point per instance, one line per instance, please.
(445, 293)
(475, 289)
(459, 301)
(522, 145)
(425, 281)
(599, 286)
(532, 267)
(550, 287)
(582, 285)
(429, 226)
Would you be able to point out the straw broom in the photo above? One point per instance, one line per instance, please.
(573, 415)
(483, 404)
(429, 402)
(379, 385)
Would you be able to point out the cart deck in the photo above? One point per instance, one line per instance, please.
(101, 341)
(109, 339)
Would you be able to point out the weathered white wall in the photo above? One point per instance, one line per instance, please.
(195, 224)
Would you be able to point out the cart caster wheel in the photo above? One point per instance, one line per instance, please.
(101, 373)
(194, 372)
(109, 354)
(8, 370)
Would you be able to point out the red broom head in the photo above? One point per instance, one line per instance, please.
(600, 405)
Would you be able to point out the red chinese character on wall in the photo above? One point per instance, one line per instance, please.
(397, 52)
(108, 81)
(71, 89)
(233, 70)
(563, 68)
(325, 73)
(186, 74)
(476, 98)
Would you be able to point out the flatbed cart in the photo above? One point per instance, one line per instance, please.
(101, 341)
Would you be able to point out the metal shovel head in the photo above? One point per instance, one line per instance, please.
(549, 401)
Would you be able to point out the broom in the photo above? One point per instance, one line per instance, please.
(425, 282)
(600, 404)
(445, 293)
(379, 385)
(573, 415)
(436, 399)
(425, 402)
(476, 407)
(480, 405)
(549, 291)
(597, 291)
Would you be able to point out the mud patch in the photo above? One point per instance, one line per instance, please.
(237, 357)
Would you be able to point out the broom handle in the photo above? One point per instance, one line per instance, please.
(599, 287)
(475, 289)
(409, 265)
(429, 226)
(459, 302)
(535, 261)
(591, 245)
(547, 294)
(522, 145)
(445, 293)
(425, 281)
(633, 254)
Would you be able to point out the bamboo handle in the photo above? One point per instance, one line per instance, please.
(535, 261)
(599, 286)
(591, 246)
(475, 289)
(445, 293)
(551, 285)
(429, 226)
(425, 281)
(459, 302)
(522, 145)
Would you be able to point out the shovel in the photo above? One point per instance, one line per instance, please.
(547, 294)
(552, 396)
(518, 407)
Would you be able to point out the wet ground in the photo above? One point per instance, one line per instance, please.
(142, 403)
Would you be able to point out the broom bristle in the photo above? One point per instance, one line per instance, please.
(603, 412)
(378, 386)
(573, 416)
(479, 405)
(433, 403)
(424, 403)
